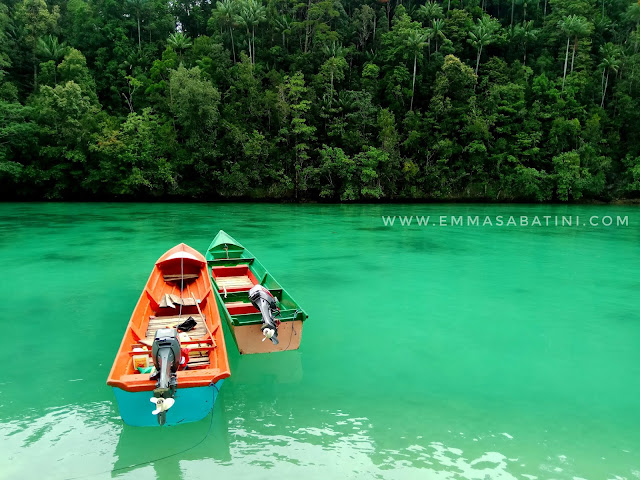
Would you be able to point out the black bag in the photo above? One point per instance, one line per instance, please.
(187, 325)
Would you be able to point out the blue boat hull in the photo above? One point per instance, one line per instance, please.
(192, 405)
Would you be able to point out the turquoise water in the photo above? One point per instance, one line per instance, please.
(438, 352)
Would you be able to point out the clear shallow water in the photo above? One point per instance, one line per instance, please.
(430, 352)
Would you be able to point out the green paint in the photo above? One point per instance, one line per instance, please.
(433, 352)
(226, 251)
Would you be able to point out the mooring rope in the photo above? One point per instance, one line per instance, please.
(141, 464)
(292, 329)
(181, 285)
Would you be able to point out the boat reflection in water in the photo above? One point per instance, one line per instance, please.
(164, 449)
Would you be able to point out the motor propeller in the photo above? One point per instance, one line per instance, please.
(262, 299)
(166, 358)
(162, 404)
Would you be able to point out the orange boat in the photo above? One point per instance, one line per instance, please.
(175, 336)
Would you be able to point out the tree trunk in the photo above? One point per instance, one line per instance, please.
(307, 29)
(375, 21)
(139, 41)
(566, 60)
(233, 47)
(545, 9)
(513, 3)
(249, 41)
(524, 61)
(254, 44)
(449, 6)
(573, 55)
(413, 85)
(478, 59)
(331, 97)
(604, 92)
(389, 14)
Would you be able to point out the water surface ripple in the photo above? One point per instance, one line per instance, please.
(431, 352)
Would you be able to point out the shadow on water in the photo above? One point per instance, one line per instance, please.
(164, 448)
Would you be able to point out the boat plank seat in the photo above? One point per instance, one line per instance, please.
(156, 323)
(234, 282)
(170, 300)
(237, 304)
(198, 362)
(186, 277)
(233, 260)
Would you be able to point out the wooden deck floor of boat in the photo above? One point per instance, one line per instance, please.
(240, 281)
(195, 358)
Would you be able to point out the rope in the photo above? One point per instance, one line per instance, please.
(181, 285)
(213, 397)
(292, 329)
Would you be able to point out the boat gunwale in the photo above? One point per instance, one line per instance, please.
(137, 382)
(255, 262)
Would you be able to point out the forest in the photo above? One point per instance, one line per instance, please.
(320, 100)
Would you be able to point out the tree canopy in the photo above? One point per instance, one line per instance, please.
(332, 100)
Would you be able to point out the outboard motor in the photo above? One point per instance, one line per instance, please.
(262, 299)
(166, 358)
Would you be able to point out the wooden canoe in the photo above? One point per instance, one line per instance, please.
(234, 271)
(162, 304)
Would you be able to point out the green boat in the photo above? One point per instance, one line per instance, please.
(261, 315)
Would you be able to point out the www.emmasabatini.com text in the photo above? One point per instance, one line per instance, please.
(504, 221)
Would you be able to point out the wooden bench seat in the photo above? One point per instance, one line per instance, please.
(156, 323)
(234, 282)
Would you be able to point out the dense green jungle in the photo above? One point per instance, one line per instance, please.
(320, 100)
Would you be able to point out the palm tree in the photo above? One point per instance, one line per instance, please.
(610, 61)
(528, 34)
(524, 4)
(225, 13)
(632, 15)
(430, 11)
(179, 42)
(482, 34)
(581, 27)
(416, 41)
(50, 48)
(283, 25)
(250, 15)
(567, 26)
(259, 16)
(437, 26)
(335, 52)
(138, 6)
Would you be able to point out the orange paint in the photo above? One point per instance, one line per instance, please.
(185, 259)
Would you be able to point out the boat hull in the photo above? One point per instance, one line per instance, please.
(249, 338)
(234, 271)
(192, 405)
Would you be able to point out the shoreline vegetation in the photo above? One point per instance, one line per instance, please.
(320, 100)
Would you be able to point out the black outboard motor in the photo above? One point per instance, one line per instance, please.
(166, 358)
(262, 299)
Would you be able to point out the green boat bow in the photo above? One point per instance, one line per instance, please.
(234, 271)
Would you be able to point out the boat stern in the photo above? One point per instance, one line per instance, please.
(191, 405)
